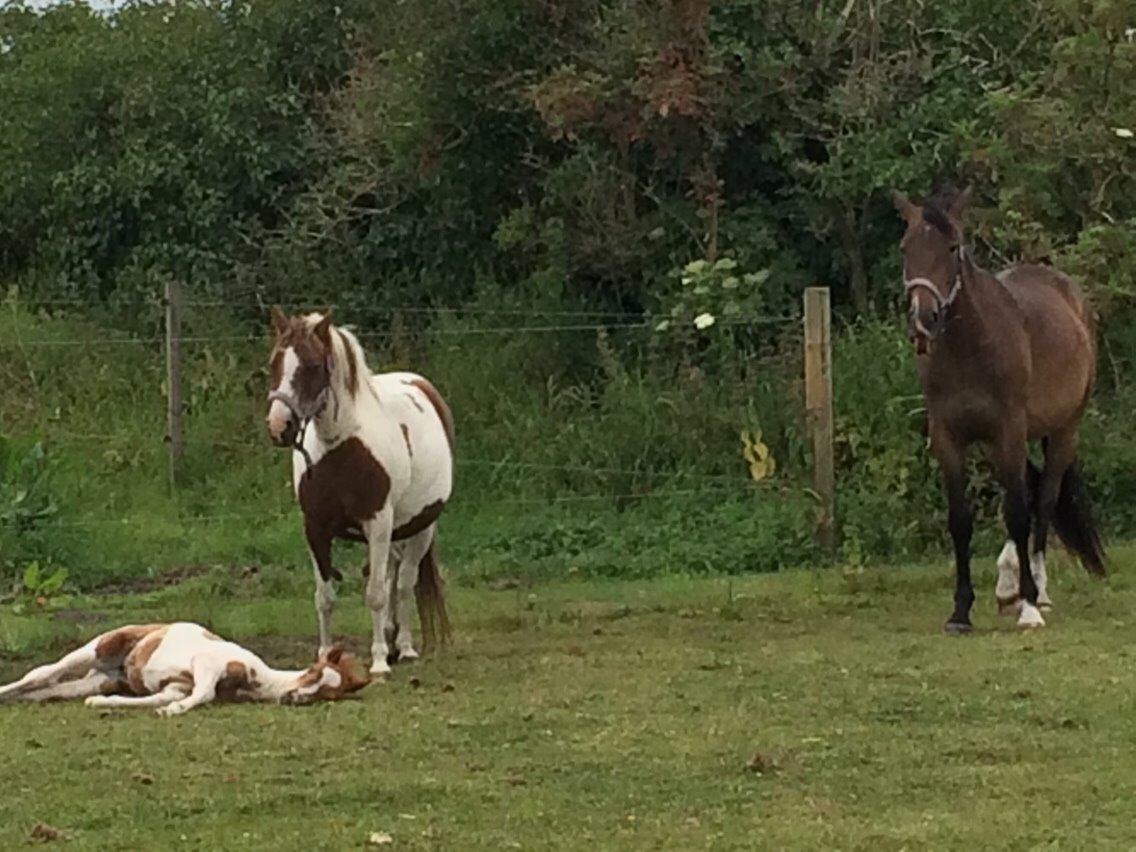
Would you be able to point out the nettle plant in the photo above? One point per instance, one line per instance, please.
(712, 298)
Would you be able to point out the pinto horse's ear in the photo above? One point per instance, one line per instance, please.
(322, 329)
(333, 655)
(907, 210)
(960, 204)
(279, 321)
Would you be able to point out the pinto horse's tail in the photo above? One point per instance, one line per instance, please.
(428, 591)
(1073, 517)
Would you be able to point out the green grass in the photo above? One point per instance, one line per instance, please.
(616, 715)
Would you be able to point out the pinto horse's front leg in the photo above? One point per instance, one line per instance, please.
(377, 594)
(319, 544)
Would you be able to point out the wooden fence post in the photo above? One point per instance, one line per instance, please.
(818, 409)
(173, 377)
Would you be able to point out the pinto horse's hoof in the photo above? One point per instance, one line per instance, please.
(957, 628)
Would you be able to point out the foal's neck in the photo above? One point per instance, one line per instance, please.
(271, 684)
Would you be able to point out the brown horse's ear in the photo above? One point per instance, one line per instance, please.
(322, 328)
(903, 204)
(960, 204)
(333, 655)
(279, 321)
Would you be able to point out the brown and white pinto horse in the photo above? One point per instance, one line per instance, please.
(372, 461)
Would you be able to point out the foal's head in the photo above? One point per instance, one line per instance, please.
(329, 678)
(301, 372)
(932, 250)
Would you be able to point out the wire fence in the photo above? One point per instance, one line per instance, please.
(435, 324)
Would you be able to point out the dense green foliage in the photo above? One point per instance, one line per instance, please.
(531, 163)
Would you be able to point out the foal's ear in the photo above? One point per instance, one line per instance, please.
(279, 321)
(334, 654)
(960, 204)
(903, 204)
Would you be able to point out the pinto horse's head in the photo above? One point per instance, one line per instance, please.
(329, 678)
(932, 250)
(300, 372)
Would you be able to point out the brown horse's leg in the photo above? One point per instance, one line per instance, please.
(1060, 452)
(1010, 463)
(952, 461)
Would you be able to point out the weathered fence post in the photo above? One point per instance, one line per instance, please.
(818, 409)
(173, 377)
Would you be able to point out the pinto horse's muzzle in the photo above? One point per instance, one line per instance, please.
(290, 432)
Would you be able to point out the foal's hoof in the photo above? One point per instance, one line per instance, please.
(957, 628)
(1009, 606)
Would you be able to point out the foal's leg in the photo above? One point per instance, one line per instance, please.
(173, 692)
(1060, 453)
(79, 661)
(378, 532)
(413, 549)
(952, 461)
(1010, 463)
(93, 684)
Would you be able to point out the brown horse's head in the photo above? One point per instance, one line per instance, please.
(301, 372)
(932, 250)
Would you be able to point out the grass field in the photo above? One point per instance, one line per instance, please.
(799, 710)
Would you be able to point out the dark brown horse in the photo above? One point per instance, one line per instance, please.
(1003, 361)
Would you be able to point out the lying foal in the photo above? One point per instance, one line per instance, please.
(176, 667)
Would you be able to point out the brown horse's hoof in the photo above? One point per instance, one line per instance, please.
(1009, 606)
(957, 628)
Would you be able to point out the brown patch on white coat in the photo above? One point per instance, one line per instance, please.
(173, 668)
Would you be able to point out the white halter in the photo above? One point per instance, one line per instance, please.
(942, 303)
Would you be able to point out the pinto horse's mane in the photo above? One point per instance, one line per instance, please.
(347, 352)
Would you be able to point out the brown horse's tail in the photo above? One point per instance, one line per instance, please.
(1073, 517)
(428, 591)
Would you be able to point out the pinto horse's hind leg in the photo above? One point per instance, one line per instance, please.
(413, 550)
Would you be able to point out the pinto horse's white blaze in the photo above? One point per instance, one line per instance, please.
(173, 668)
(279, 414)
(375, 464)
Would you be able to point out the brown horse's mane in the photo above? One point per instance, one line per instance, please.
(935, 212)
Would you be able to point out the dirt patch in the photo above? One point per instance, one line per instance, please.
(138, 585)
(73, 615)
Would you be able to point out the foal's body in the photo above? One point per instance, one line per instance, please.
(1002, 361)
(375, 465)
(173, 668)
